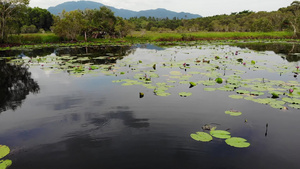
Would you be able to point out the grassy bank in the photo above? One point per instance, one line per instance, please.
(50, 39)
(173, 36)
(35, 38)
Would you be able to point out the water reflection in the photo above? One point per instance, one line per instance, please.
(15, 84)
(290, 52)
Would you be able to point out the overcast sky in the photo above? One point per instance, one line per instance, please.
(202, 7)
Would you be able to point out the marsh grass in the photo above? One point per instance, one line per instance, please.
(174, 36)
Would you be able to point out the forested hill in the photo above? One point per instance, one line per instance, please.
(157, 13)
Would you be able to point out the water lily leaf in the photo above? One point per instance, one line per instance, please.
(210, 89)
(295, 106)
(257, 93)
(4, 150)
(237, 142)
(222, 134)
(163, 94)
(276, 106)
(233, 112)
(224, 88)
(288, 100)
(236, 96)
(175, 73)
(185, 94)
(193, 84)
(5, 164)
(209, 83)
(262, 101)
(201, 136)
(242, 92)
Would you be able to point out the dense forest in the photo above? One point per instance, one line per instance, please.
(17, 18)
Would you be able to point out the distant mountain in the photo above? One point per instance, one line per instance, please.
(157, 13)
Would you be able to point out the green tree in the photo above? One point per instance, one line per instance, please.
(70, 24)
(8, 13)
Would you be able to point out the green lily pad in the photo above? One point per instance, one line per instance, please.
(233, 112)
(210, 89)
(276, 106)
(201, 136)
(236, 96)
(193, 84)
(4, 150)
(222, 134)
(163, 94)
(185, 94)
(224, 88)
(5, 164)
(242, 92)
(257, 93)
(237, 142)
(295, 106)
(175, 73)
(288, 100)
(209, 83)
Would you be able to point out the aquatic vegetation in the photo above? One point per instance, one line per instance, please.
(219, 80)
(237, 142)
(222, 134)
(4, 151)
(233, 112)
(185, 94)
(201, 136)
(213, 72)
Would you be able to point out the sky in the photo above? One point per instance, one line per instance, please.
(201, 7)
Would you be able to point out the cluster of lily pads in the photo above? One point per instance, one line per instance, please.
(221, 134)
(74, 65)
(222, 69)
(4, 151)
(218, 71)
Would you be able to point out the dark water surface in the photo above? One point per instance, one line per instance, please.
(53, 118)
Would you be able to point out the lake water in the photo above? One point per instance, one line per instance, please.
(81, 107)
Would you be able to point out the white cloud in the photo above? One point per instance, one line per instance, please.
(202, 7)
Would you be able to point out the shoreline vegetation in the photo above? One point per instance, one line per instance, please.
(136, 37)
(102, 27)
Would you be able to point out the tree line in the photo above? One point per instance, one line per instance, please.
(16, 17)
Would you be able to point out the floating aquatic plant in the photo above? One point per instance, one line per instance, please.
(185, 94)
(233, 112)
(201, 136)
(236, 96)
(237, 142)
(4, 150)
(222, 134)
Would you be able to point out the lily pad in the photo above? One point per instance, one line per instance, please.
(257, 93)
(237, 142)
(295, 106)
(193, 84)
(242, 92)
(5, 164)
(201, 136)
(236, 96)
(233, 112)
(222, 134)
(185, 94)
(4, 150)
(210, 89)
